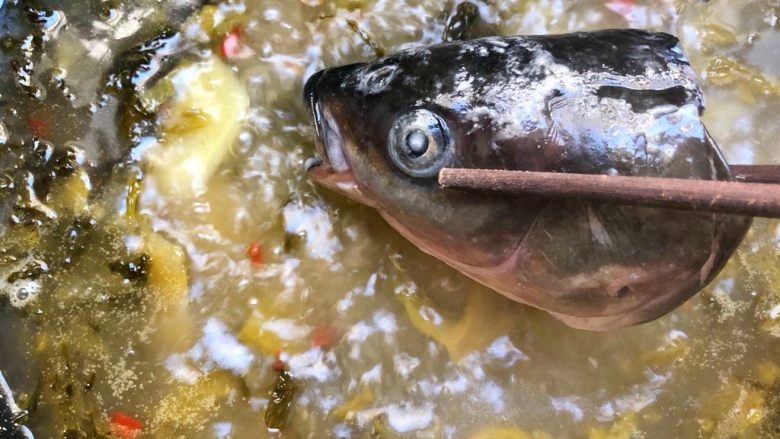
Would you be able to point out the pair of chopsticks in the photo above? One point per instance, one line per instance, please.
(755, 191)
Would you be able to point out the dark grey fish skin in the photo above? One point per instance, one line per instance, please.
(621, 102)
(9, 415)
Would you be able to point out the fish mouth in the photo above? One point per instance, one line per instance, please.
(329, 141)
(330, 167)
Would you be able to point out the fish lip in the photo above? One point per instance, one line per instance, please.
(340, 182)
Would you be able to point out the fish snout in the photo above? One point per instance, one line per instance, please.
(325, 96)
(331, 101)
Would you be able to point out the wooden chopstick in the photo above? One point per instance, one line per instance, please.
(737, 198)
(756, 173)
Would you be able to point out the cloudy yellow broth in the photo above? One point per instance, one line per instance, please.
(381, 340)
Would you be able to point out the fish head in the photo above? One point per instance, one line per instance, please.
(369, 141)
(616, 101)
(382, 138)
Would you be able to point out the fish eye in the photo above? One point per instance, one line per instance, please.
(419, 143)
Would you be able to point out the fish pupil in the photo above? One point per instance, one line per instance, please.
(417, 143)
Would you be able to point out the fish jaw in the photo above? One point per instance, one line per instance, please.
(343, 183)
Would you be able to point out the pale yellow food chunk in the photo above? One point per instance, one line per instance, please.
(359, 401)
(271, 335)
(167, 270)
(469, 334)
(71, 195)
(205, 107)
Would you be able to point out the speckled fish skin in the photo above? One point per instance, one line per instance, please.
(621, 102)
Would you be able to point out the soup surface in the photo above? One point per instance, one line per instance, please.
(167, 269)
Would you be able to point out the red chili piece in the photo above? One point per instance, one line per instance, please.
(231, 46)
(323, 337)
(39, 127)
(255, 253)
(278, 365)
(124, 426)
